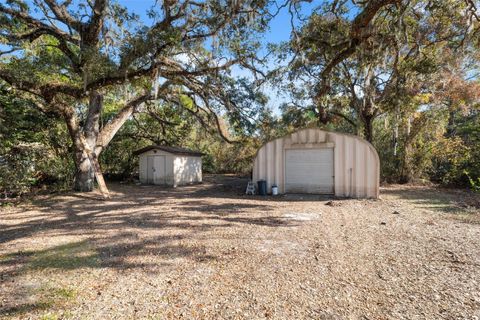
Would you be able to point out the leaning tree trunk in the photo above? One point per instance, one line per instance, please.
(88, 168)
(85, 140)
(89, 140)
(85, 145)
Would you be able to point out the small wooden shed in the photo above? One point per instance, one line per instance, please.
(171, 166)
(319, 162)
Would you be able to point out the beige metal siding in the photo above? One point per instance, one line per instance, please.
(355, 162)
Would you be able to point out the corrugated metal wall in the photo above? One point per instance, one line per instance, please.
(356, 162)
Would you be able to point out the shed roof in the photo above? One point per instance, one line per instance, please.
(170, 149)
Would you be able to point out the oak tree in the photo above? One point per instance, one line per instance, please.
(68, 57)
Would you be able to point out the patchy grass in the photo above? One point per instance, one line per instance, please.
(467, 217)
(25, 308)
(54, 294)
(47, 298)
(66, 256)
(37, 297)
(49, 316)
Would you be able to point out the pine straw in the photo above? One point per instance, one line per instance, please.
(209, 252)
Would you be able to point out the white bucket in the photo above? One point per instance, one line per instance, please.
(274, 190)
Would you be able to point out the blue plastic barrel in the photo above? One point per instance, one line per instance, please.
(262, 187)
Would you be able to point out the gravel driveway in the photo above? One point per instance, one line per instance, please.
(210, 252)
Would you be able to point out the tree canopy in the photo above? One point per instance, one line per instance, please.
(68, 58)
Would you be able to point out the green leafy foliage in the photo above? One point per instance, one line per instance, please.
(474, 183)
(34, 148)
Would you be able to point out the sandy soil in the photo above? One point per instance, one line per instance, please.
(210, 252)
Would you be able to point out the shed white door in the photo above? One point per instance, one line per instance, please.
(309, 171)
(156, 169)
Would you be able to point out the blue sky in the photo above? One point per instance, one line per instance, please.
(280, 29)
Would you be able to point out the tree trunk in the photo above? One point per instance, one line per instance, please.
(89, 141)
(98, 173)
(368, 128)
(85, 142)
(88, 170)
(85, 176)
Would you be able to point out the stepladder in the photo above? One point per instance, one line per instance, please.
(250, 188)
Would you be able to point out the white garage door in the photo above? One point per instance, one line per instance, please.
(309, 171)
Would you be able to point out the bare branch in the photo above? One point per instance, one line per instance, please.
(61, 13)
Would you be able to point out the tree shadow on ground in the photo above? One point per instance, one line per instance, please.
(99, 253)
(145, 227)
(146, 221)
(436, 199)
(147, 207)
(118, 249)
(73, 215)
(137, 222)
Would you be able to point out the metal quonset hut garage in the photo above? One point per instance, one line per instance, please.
(172, 166)
(319, 162)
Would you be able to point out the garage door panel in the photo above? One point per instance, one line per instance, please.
(309, 171)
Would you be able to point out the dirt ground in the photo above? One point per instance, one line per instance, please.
(210, 252)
